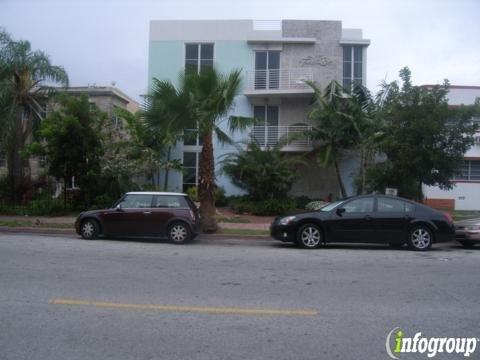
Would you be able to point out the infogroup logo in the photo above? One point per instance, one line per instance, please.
(397, 343)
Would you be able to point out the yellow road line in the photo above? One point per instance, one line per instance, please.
(187, 309)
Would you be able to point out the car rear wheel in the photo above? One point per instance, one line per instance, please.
(467, 244)
(179, 233)
(89, 229)
(309, 236)
(420, 238)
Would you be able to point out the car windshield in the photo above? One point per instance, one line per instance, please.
(331, 206)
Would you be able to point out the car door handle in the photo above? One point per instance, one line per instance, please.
(147, 212)
(368, 217)
(408, 217)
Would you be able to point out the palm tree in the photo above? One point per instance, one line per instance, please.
(26, 80)
(264, 173)
(201, 101)
(370, 129)
(333, 129)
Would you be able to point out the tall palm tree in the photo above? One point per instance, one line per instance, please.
(26, 80)
(333, 129)
(201, 101)
(211, 97)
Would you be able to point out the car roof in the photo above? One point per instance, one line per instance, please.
(154, 193)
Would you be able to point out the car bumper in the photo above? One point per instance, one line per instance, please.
(283, 233)
(469, 235)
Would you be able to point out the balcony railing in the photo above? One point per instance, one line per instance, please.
(291, 136)
(279, 79)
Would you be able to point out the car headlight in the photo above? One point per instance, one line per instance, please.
(472, 227)
(287, 220)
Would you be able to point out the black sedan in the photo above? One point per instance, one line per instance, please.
(367, 219)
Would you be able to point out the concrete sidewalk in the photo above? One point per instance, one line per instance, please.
(71, 220)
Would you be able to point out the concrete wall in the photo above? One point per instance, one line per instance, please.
(466, 195)
(325, 57)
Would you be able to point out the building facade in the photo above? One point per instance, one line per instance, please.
(276, 58)
(465, 194)
(106, 98)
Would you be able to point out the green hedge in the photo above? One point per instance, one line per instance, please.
(262, 208)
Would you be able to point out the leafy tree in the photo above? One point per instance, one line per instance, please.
(71, 141)
(425, 139)
(334, 127)
(166, 116)
(264, 174)
(24, 75)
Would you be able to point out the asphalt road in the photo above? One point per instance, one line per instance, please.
(67, 298)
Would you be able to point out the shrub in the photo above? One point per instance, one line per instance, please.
(315, 205)
(240, 204)
(302, 201)
(220, 197)
(193, 193)
(273, 207)
(264, 174)
(243, 204)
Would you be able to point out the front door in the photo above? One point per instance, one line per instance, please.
(356, 223)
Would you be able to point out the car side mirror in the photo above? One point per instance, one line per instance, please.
(118, 207)
(340, 211)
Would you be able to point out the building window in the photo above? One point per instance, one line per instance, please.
(352, 66)
(267, 70)
(266, 131)
(198, 57)
(190, 169)
(468, 171)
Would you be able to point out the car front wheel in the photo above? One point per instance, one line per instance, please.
(309, 236)
(89, 229)
(420, 238)
(179, 233)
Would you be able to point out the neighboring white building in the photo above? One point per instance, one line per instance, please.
(465, 194)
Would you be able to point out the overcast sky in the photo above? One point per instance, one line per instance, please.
(103, 41)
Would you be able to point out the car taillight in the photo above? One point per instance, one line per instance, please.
(448, 217)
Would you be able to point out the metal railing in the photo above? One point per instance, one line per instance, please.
(291, 136)
(279, 79)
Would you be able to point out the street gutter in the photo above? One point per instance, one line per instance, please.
(71, 232)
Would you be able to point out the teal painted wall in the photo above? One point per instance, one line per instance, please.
(166, 62)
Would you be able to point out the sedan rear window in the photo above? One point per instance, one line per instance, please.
(393, 205)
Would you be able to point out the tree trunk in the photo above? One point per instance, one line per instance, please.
(165, 183)
(206, 186)
(339, 178)
(420, 191)
(16, 164)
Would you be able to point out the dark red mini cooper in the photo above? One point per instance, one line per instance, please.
(143, 214)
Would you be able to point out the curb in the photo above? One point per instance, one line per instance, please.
(52, 231)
